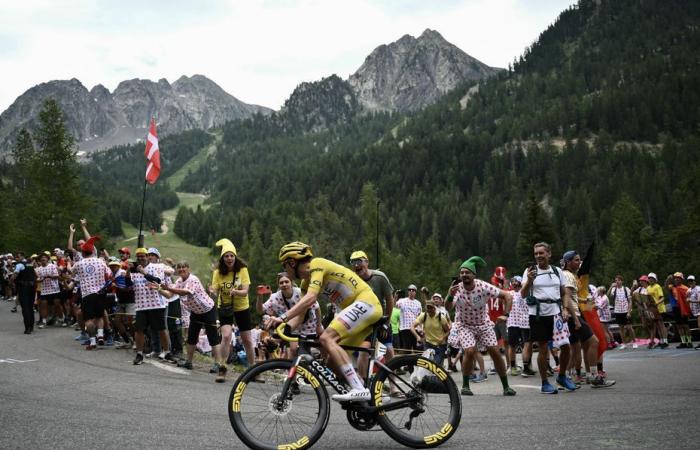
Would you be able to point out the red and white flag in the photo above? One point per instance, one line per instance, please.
(152, 154)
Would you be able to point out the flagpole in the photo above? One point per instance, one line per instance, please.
(143, 204)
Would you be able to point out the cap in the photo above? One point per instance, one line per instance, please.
(358, 254)
(56, 250)
(517, 279)
(141, 250)
(34, 256)
(153, 251)
(678, 275)
(644, 278)
(437, 295)
(691, 278)
(114, 262)
(412, 286)
(226, 247)
(652, 275)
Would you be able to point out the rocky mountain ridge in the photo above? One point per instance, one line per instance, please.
(100, 119)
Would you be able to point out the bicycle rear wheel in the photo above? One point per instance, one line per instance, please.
(265, 422)
(432, 418)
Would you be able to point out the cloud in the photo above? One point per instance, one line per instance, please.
(256, 50)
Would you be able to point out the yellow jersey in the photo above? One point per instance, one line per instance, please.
(337, 283)
(224, 283)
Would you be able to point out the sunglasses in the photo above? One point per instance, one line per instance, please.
(356, 262)
(411, 290)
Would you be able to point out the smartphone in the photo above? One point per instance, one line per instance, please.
(455, 280)
(532, 266)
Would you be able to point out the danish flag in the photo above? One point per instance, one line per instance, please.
(152, 154)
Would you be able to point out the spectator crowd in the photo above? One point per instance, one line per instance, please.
(144, 302)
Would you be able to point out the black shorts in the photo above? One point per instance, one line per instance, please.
(395, 340)
(206, 320)
(679, 318)
(243, 320)
(583, 334)
(93, 306)
(621, 319)
(50, 297)
(408, 340)
(517, 335)
(541, 328)
(153, 318)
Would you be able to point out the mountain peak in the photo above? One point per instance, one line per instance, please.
(412, 73)
(100, 119)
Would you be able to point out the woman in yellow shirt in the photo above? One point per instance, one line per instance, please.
(230, 284)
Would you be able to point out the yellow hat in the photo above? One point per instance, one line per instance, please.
(141, 250)
(359, 254)
(226, 246)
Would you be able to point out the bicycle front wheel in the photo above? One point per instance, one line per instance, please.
(434, 415)
(263, 420)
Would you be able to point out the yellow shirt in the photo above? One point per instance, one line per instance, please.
(224, 283)
(657, 294)
(337, 283)
(432, 327)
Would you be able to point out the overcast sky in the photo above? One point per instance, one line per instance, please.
(258, 51)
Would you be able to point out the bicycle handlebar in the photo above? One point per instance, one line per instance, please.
(280, 330)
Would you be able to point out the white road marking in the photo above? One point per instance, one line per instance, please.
(169, 367)
(15, 361)
(528, 386)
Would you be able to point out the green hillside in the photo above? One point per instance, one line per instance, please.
(598, 119)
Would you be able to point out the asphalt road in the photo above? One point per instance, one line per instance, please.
(54, 394)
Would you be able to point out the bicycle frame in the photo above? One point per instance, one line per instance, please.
(328, 375)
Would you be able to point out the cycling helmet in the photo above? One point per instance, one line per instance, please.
(294, 250)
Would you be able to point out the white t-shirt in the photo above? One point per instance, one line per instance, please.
(410, 310)
(546, 286)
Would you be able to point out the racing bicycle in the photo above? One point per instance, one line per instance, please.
(284, 404)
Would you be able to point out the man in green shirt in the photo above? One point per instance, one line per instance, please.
(381, 286)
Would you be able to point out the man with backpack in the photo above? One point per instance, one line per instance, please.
(436, 328)
(545, 293)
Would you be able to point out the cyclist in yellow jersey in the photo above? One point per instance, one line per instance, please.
(359, 309)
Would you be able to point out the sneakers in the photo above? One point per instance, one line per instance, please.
(138, 359)
(214, 368)
(109, 341)
(221, 374)
(508, 392)
(185, 365)
(621, 347)
(515, 371)
(600, 382)
(65, 323)
(663, 345)
(480, 378)
(81, 337)
(466, 391)
(163, 356)
(100, 340)
(634, 345)
(548, 388)
(151, 355)
(14, 309)
(683, 345)
(527, 372)
(492, 371)
(354, 395)
(578, 379)
(90, 346)
(123, 345)
(42, 324)
(565, 382)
